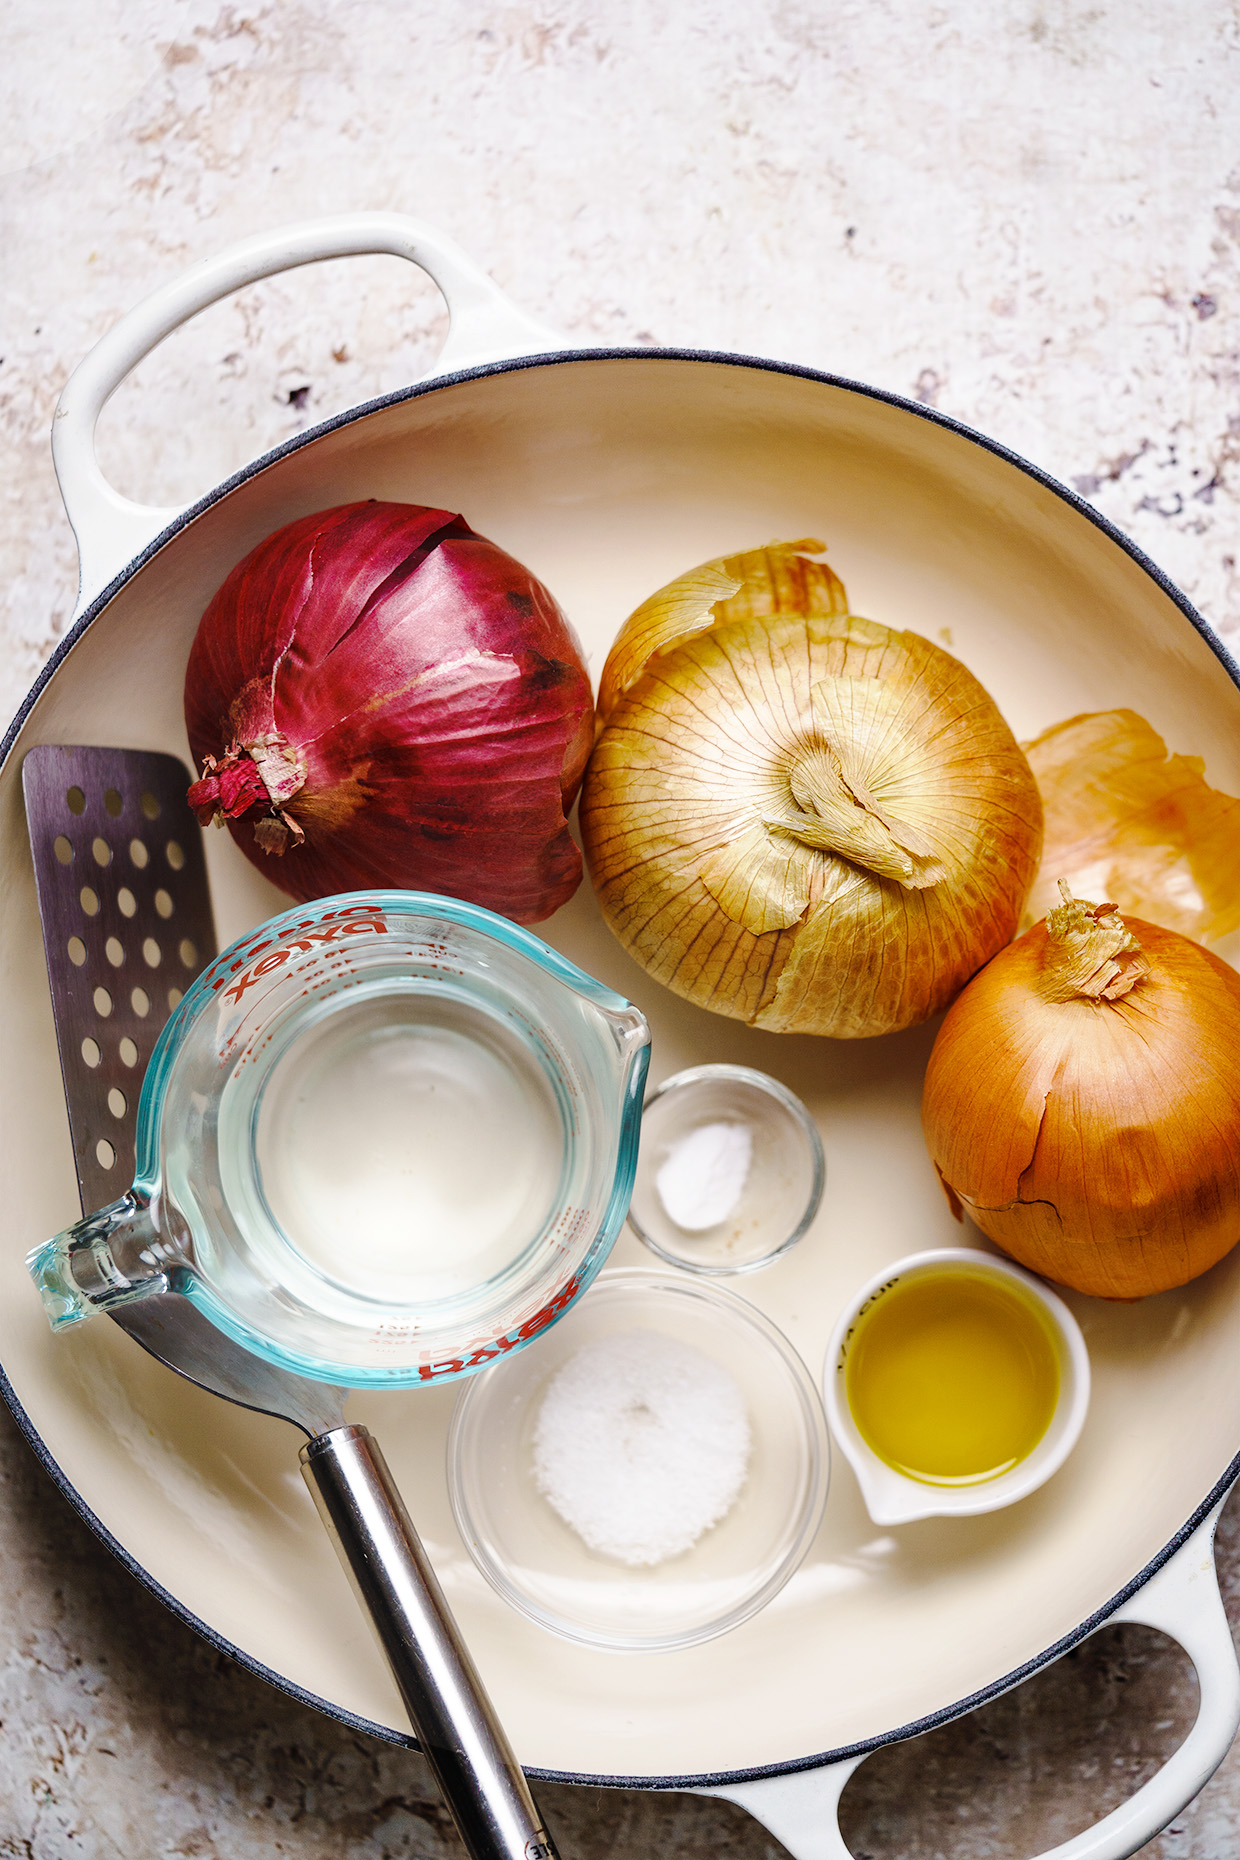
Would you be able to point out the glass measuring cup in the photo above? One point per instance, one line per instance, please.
(385, 1139)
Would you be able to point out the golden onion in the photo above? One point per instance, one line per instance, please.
(1082, 1102)
(798, 817)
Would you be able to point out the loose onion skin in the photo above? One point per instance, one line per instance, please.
(380, 697)
(1095, 1136)
(797, 817)
(1127, 821)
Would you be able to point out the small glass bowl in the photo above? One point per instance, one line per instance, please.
(781, 1187)
(544, 1569)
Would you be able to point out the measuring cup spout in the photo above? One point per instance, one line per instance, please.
(107, 1259)
(629, 1029)
(631, 1033)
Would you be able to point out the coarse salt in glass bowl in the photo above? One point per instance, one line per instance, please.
(544, 1568)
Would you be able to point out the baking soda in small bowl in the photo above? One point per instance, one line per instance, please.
(703, 1176)
(730, 1171)
(641, 1445)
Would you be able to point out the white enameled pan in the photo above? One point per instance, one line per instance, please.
(608, 472)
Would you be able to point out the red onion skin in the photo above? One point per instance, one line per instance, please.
(428, 695)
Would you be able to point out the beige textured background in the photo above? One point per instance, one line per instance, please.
(1026, 212)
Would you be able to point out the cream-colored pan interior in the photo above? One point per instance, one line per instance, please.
(607, 476)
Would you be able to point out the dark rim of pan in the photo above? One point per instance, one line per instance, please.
(558, 358)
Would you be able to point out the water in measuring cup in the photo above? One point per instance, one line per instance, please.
(410, 1147)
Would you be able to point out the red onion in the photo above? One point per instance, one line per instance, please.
(385, 698)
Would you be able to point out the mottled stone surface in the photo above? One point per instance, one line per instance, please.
(1026, 214)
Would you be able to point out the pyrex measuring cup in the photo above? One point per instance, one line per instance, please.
(385, 1139)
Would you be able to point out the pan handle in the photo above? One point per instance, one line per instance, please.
(1181, 1600)
(484, 326)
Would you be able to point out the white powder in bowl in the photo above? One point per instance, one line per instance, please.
(703, 1176)
(641, 1444)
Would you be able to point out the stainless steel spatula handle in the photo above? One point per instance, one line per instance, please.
(451, 1715)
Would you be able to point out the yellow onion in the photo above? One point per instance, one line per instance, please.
(1082, 1102)
(798, 817)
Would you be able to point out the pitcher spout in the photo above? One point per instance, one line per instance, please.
(631, 1033)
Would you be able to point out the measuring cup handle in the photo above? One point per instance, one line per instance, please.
(1181, 1600)
(107, 1259)
(451, 1715)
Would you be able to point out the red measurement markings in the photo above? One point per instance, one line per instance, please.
(476, 1357)
(355, 920)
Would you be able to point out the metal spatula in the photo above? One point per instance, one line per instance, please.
(126, 927)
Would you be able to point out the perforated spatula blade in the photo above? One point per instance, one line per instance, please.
(127, 925)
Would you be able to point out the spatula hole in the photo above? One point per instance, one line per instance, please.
(150, 806)
(76, 800)
(140, 1002)
(114, 950)
(92, 1052)
(103, 1002)
(77, 951)
(152, 952)
(138, 853)
(128, 1051)
(175, 855)
(175, 998)
(118, 1104)
(101, 850)
(63, 849)
(89, 900)
(105, 1153)
(112, 801)
(188, 952)
(163, 902)
(126, 901)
